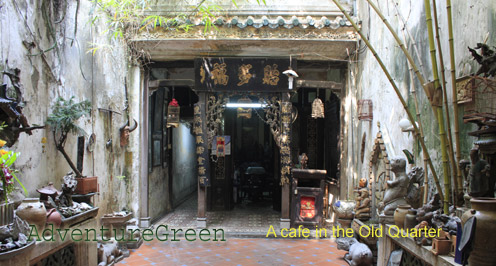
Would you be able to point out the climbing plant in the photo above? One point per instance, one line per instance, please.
(127, 18)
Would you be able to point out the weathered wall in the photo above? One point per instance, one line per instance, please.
(472, 20)
(26, 28)
(184, 176)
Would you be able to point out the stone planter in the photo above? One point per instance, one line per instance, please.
(86, 185)
(15, 252)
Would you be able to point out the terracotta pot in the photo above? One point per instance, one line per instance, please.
(485, 232)
(86, 185)
(399, 215)
(54, 217)
(6, 213)
(441, 246)
(33, 211)
(410, 219)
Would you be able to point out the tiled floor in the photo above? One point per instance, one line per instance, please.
(244, 218)
(259, 251)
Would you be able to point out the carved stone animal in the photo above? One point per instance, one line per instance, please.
(397, 188)
(425, 213)
(413, 197)
(107, 253)
(358, 254)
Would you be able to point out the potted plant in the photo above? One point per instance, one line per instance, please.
(63, 121)
(7, 181)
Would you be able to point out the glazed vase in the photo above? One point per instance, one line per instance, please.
(410, 219)
(33, 212)
(399, 215)
(485, 232)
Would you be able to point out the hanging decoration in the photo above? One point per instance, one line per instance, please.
(203, 163)
(317, 108)
(221, 146)
(214, 116)
(284, 142)
(244, 112)
(365, 110)
(173, 113)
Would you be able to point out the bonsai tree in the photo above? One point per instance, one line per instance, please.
(63, 121)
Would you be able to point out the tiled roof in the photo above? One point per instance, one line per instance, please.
(279, 22)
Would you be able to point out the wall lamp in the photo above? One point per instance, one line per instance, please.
(245, 105)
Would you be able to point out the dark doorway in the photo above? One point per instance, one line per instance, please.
(251, 171)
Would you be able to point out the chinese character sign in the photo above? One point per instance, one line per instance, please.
(241, 74)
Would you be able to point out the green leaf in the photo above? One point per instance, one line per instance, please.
(20, 183)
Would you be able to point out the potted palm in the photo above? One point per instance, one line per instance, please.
(63, 122)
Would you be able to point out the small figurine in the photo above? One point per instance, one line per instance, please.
(479, 176)
(362, 207)
(303, 158)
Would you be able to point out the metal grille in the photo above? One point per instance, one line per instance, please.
(409, 260)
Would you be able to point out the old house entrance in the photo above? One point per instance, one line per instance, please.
(240, 131)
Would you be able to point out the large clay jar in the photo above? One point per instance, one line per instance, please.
(33, 211)
(410, 219)
(485, 232)
(399, 215)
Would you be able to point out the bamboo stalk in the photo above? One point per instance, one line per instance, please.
(445, 94)
(453, 89)
(437, 109)
(414, 44)
(395, 87)
(421, 129)
(442, 132)
(414, 92)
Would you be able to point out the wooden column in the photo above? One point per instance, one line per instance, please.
(285, 153)
(200, 131)
(144, 217)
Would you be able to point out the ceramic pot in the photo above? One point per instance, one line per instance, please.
(399, 215)
(6, 213)
(485, 232)
(54, 217)
(410, 219)
(33, 211)
(344, 209)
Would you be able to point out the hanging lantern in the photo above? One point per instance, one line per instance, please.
(173, 114)
(365, 110)
(244, 112)
(317, 108)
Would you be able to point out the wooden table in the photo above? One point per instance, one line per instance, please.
(387, 244)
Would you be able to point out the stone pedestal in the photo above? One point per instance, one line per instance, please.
(386, 219)
(285, 223)
(201, 222)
